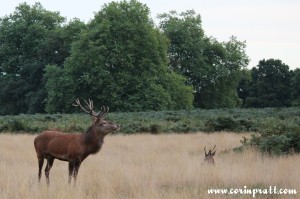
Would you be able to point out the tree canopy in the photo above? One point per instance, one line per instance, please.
(211, 67)
(270, 86)
(295, 88)
(30, 38)
(122, 59)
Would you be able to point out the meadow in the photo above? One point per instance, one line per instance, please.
(276, 130)
(148, 166)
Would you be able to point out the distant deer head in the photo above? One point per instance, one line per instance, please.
(73, 148)
(209, 157)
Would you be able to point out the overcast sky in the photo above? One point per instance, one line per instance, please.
(271, 28)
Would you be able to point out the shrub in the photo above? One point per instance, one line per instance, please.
(266, 121)
(221, 124)
(15, 125)
(275, 144)
(281, 143)
(155, 128)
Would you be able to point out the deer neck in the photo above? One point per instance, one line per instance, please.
(93, 140)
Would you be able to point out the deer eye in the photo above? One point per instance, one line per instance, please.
(103, 123)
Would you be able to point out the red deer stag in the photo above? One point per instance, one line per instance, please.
(209, 157)
(73, 148)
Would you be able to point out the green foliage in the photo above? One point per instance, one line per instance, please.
(30, 38)
(279, 133)
(243, 88)
(221, 123)
(59, 86)
(38, 123)
(268, 122)
(211, 67)
(119, 60)
(276, 144)
(295, 82)
(271, 85)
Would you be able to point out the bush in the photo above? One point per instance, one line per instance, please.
(275, 144)
(14, 125)
(155, 128)
(266, 121)
(281, 142)
(221, 124)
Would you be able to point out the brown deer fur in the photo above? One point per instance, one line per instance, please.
(73, 148)
(209, 157)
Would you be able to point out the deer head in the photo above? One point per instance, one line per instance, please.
(209, 157)
(99, 122)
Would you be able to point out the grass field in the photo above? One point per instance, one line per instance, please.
(147, 166)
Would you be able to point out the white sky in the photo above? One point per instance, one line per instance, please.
(271, 28)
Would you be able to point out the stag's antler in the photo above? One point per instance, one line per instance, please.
(103, 112)
(213, 151)
(214, 148)
(210, 152)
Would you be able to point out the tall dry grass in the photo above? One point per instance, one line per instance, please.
(146, 166)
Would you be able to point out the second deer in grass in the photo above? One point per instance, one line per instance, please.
(73, 148)
(209, 157)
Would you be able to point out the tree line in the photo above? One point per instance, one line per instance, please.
(121, 58)
(270, 84)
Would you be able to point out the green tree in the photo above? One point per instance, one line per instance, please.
(226, 72)
(213, 68)
(295, 88)
(30, 38)
(243, 88)
(121, 61)
(270, 85)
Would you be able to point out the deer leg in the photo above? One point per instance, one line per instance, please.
(50, 161)
(71, 170)
(41, 162)
(76, 168)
